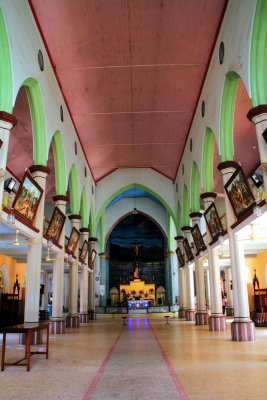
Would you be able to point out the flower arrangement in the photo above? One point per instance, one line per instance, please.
(133, 292)
(146, 295)
(123, 291)
(141, 292)
(151, 290)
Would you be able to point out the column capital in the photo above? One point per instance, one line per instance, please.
(195, 215)
(170, 253)
(39, 168)
(228, 164)
(257, 111)
(208, 195)
(102, 255)
(74, 216)
(86, 230)
(93, 239)
(7, 121)
(178, 237)
(61, 197)
(186, 228)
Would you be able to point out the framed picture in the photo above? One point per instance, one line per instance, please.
(239, 193)
(180, 257)
(198, 239)
(73, 241)
(27, 198)
(56, 225)
(84, 251)
(92, 257)
(188, 250)
(213, 221)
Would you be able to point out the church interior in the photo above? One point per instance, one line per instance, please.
(133, 215)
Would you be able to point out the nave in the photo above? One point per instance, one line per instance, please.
(146, 359)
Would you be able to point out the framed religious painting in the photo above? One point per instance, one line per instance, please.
(213, 221)
(180, 257)
(84, 251)
(27, 199)
(188, 250)
(198, 239)
(92, 257)
(239, 193)
(56, 225)
(73, 241)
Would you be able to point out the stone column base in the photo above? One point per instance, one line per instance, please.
(190, 315)
(84, 318)
(72, 321)
(217, 323)
(57, 326)
(202, 318)
(243, 331)
(229, 311)
(36, 338)
(181, 313)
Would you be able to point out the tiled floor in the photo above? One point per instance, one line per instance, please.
(146, 359)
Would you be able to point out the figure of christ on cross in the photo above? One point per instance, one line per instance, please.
(136, 246)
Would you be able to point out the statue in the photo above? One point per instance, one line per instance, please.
(255, 281)
(16, 286)
(137, 270)
(136, 246)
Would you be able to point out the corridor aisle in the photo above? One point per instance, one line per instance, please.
(144, 360)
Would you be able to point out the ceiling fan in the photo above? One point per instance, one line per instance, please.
(48, 258)
(18, 243)
(252, 236)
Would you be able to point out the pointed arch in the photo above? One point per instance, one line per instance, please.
(92, 225)
(132, 185)
(207, 163)
(179, 219)
(60, 163)
(186, 207)
(38, 121)
(258, 55)
(195, 186)
(84, 209)
(74, 191)
(227, 116)
(6, 82)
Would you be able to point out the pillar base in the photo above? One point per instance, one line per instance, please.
(36, 338)
(229, 311)
(181, 313)
(243, 331)
(217, 323)
(190, 315)
(84, 318)
(73, 321)
(202, 318)
(57, 326)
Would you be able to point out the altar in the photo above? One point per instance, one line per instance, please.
(137, 290)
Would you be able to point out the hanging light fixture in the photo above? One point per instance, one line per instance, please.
(256, 209)
(11, 219)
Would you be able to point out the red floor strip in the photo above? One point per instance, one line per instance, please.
(92, 387)
(175, 379)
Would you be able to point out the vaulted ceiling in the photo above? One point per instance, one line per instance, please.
(131, 72)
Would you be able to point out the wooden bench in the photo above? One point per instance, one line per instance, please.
(27, 328)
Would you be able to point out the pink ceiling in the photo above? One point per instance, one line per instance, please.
(131, 73)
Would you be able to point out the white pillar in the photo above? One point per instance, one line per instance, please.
(34, 256)
(73, 320)
(201, 314)
(58, 323)
(182, 281)
(229, 292)
(92, 246)
(190, 303)
(84, 281)
(217, 320)
(7, 122)
(243, 328)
